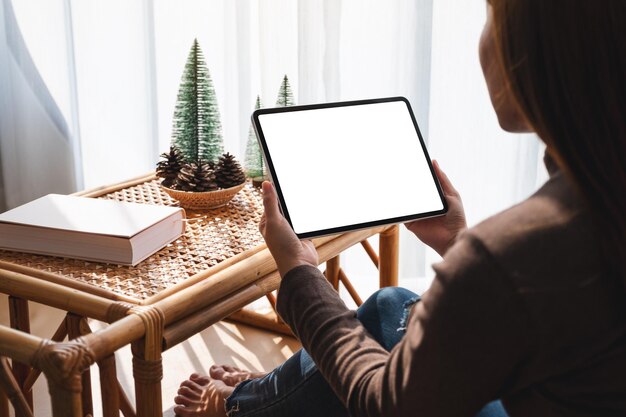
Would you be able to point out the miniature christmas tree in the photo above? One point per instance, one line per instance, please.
(197, 130)
(196, 177)
(254, 166)
(285, 96)
(228, 172)
(170, 166)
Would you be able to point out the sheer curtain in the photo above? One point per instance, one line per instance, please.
(96, 100)
(490, 168)
(39, 145)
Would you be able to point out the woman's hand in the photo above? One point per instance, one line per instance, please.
(440, 232)
(288, 251)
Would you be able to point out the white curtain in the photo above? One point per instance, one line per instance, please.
(109, 73)
(38, 135)
(491, 169)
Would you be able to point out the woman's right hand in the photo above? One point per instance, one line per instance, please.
(287, 250)
(440, 232)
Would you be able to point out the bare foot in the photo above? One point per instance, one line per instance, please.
(231, 375)
(201, 396)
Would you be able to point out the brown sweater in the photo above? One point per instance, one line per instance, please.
(521, 309)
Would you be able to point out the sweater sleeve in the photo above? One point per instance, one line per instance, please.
(464, 340)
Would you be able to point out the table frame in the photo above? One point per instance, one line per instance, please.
(150, 327)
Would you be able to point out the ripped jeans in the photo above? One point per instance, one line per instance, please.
(296, 388)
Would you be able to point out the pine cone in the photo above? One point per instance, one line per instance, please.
(170, 166)
(228, 172)
(196, 177)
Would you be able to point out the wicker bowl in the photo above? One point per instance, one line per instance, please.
(204, 200)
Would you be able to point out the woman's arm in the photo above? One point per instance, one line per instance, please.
(464, 340)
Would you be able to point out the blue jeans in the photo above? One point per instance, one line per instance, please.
(296, 388)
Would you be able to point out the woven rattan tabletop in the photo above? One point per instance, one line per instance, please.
(211, 237)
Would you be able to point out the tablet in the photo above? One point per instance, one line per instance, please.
(349, 165)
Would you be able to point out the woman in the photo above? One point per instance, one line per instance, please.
(528, 307)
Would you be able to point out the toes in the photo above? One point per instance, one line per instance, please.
(202, 380)
(193, 385)
(189, 393)
(185, 411)
(231, 375)
(196, 401)
(182, 400)
(233, 380)
(216, 372)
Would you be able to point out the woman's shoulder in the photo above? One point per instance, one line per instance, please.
(549, 240)
(546, 251)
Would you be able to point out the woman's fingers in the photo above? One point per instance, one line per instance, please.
(270, 202)
(288, 251)
(308, 243)
(445, 182)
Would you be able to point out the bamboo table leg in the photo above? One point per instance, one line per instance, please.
(109, 387)
(63, 365)
(388, 250)
(148, 374)
(332, 272)
(75, 328)
(19, 318)
(351, 290)
(270, 322)
(66, 402)
(147, 363)
(125, 406)
(11, 390)
(4, 404)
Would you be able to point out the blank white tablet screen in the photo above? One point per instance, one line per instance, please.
(349, 165)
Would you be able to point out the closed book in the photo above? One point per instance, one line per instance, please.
(92, 229)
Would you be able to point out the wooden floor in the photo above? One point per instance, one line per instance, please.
(223, 343)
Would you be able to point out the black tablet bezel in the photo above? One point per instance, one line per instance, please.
(274, 177)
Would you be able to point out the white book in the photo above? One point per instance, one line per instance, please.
(91, 229)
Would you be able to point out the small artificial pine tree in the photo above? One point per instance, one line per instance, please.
(228, 172)
(196, 177)
(285, 96)
(197, 130)
(254, 166)
(170, 166)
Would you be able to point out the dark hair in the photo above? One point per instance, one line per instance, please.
(565, 62)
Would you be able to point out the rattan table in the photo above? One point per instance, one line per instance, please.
(215, 269)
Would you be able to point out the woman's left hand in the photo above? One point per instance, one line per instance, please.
(288, 251)
(440, 232)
